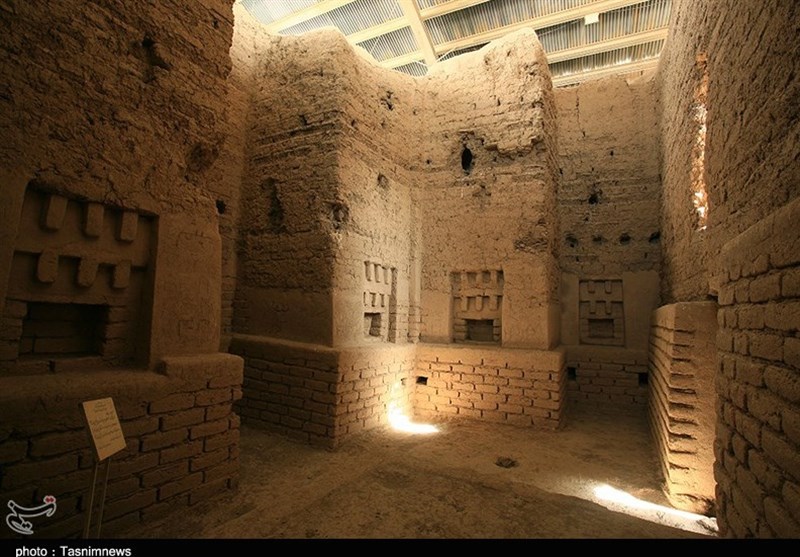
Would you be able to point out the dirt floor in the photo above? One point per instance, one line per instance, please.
(469, 480)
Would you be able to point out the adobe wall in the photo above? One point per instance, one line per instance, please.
(374, 243)
(748, 251)
(288, 205)
(757, 444)
(608, 197)
(328, 249)
(683, 362)
(512, 386)
(608, 207)
(750, 148)
(111, 247)
(489, 200)
(489, 282)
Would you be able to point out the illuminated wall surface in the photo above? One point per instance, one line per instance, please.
(211, 224)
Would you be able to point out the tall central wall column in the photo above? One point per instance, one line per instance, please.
(378, 201)
(489, 293)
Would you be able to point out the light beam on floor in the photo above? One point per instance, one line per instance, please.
(622, 501)
(401, 422)
(398, 419)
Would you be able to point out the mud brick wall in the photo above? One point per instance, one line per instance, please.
(289, 388)
(749, 56)
(322, 395)
(376, 388)
(124, 103)
(290, 204)
(182, 441)
(752, 121)
(684, 273)
(608, 207)
(226, 179)
(683, 361)
(519, 387)
(612, 379)
(116, 114)
(489, 200)
(375, 186)
(609, 192)
(327, 192)
(315, 235)
(758, 409)
(605, 324)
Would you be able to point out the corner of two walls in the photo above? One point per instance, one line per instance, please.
(324, 308)
(111, 254)
(609, 238)
(348, 243)
(489, 266)
(747, 257)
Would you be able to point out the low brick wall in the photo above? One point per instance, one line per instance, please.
(683, 361)
(376, 386)
(182, 441)
(515, 386)
(614, 379)
(288, 387)
(320, 394)
(758, 412)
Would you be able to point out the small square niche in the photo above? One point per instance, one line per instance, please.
(372, 324)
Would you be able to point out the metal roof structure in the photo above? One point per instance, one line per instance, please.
(583, 39)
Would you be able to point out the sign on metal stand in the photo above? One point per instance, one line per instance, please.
(107, 440)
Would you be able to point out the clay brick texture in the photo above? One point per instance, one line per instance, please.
(608, 379)
(610, 188)
(758, 426)
(683, 362)
(747, 256)
(322, 395)
(373, 247)
(342, 262)
(181, 447)
(121, 159)
(506, 386)
(750, 163)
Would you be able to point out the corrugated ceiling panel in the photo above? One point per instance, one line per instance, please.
(422, 4)
(613, 24)
(491, 15)
(351, 17)
(363, 14)
(617, 57)
(415, 68)
(391, 44)
(267, 11)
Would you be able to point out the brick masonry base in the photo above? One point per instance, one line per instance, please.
(322, 395)
(683, 361)
(514, 386)
(182, 441)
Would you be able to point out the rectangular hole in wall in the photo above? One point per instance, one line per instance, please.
(601, 328)
(63, 330)
(422, 380)
(643, 379)
(372, 324)
(480, 330)
(572, 374)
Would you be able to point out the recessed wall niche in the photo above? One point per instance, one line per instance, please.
(477, 306)
(380, 302)
(77, 285)
(601, 312)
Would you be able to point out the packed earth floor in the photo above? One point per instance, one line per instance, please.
(468, 480)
